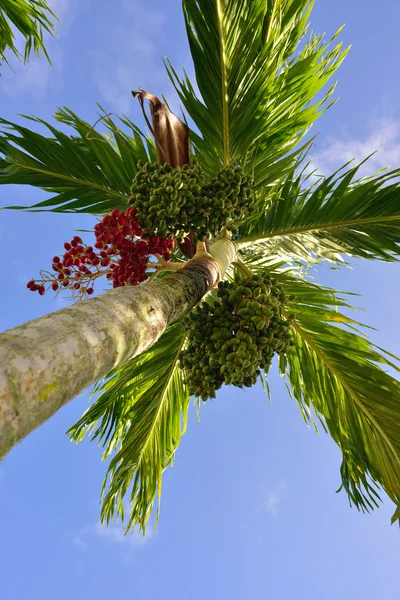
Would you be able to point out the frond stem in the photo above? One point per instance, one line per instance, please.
(225, 112)
(345, 386)
(299, 230)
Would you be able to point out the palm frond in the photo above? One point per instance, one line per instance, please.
(256, 77)
(139, 417)
(31, 18)
(338, 215)
(334, 372)
(87, 172)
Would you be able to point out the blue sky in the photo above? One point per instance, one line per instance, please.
(249, 509)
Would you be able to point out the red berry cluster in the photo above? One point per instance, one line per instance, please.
(117, 253)
(115, 235)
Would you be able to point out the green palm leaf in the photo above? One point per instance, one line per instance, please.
(87, 171)
(334, 372)
(339, 215)
(31, 18)
(255, 91)
(141, 415)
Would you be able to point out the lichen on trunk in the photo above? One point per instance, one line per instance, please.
(45, 363)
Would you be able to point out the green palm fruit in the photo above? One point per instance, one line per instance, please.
(247, 343)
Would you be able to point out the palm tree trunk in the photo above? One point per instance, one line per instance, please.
(45, 363)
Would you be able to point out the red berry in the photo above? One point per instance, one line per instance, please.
(67, 246)
(60, 276)
(30, 284)
(99, 245)
(77, 286)
(74, 243)
(105, 262)
(65, 283)
(34, 288)
(90, 291)
(41, 290)
(56, 259)
(106, 237)
(95, 262)
(77, 239)
(54, 286)
(89, 250)
(115, 213)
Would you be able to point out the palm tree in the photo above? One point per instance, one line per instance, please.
(31, 18)
(259, 80)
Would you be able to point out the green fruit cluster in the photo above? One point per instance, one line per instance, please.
(166, 199)
(231, 197)
(176, 202)
(233, 338)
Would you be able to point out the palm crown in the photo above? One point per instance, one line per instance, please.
(258, 73)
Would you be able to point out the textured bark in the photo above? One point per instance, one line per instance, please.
(47, 362)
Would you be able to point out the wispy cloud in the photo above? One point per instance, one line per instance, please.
(382, 137)
(34, 78)
(60, 8)
(274, 496)
(89, 535)
(38, 76)
(134, 60)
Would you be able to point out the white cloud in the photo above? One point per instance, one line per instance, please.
(34, 78)
(113, 534)
(38, 76)
(131, 58)
(274, 496)
(383, 135)
(59, 8)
